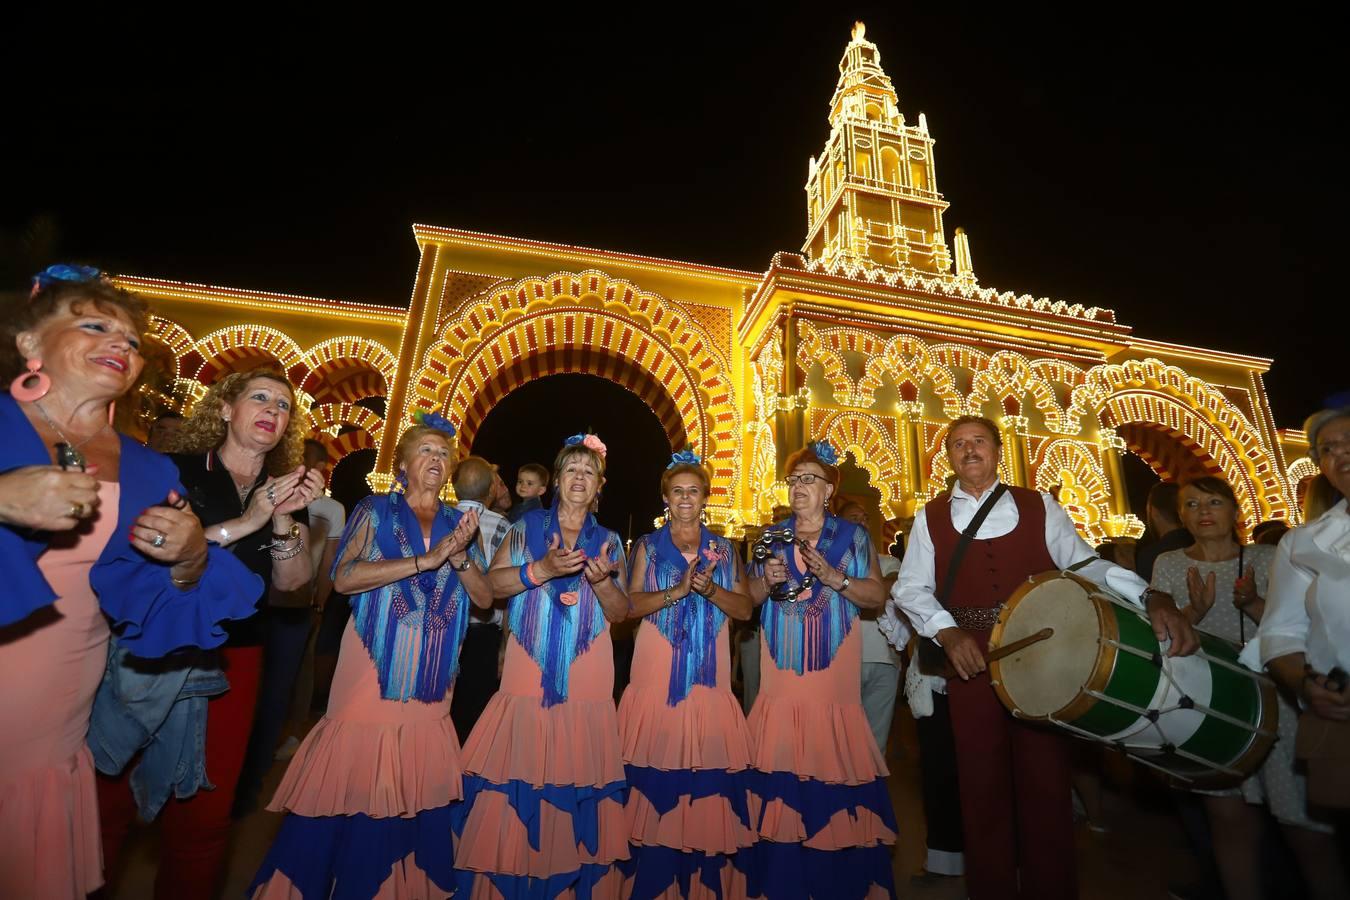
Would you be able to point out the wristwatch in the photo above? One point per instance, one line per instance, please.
(461, 568)
(843, 587)
(290, 535)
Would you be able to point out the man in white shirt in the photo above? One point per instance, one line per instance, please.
(880, 661)
(475, 482)
(1014, 777)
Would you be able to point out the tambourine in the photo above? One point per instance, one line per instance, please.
(763, 549)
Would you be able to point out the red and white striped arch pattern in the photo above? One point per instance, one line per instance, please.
(591, 323)
(1184, 444)
(334, 363)
(1172, 455)
(584, 361)
(872, 442)
(244, 346)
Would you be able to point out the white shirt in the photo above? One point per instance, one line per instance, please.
(1308, 607)
(327, 509)
(915, 593)
(492, 529)
(885, 631)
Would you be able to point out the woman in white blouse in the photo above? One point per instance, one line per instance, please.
(1305, 633)
(1225, 582)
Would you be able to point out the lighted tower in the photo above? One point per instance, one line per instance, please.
(871, 197)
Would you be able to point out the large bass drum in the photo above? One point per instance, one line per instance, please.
(1204, 720)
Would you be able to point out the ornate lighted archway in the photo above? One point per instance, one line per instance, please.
(587, 322)
(873, 444)
(1166, 399)
(1083, 490)
(243, 346)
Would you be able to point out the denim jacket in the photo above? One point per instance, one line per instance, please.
(157, 706)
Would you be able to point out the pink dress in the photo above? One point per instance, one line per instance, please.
(692, 756)
(572, 746)
(370, 794)
(53, 662)
(820, 801)
(373, 758)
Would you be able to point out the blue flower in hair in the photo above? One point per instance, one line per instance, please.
(825, 452)
(431, 420)
(683, 458)
(63, 272)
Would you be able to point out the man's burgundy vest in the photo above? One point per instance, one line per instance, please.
(992, 569)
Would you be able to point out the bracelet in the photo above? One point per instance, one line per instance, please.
(843, 587)
(288, 554)
(669, 600)
(525, 572)
(417, 566)
(185, 582)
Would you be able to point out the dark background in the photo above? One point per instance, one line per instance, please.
(1177, 167)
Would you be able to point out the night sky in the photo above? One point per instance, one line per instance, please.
(1178, 169)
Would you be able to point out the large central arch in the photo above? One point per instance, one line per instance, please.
(593, 324)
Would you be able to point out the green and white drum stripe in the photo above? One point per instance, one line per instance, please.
(1104, 676)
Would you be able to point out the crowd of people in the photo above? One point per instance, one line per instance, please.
(173, 607)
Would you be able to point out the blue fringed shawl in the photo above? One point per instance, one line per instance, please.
(553, 633)
(692, 625)
(412, 628)
(804, 636)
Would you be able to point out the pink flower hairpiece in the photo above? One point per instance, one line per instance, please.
(590, 442)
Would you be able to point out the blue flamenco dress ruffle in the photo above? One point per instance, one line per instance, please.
(787, 871)
(582, 803)
(654, 869)
(349, 857)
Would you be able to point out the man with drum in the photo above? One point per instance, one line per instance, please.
(1014, 776)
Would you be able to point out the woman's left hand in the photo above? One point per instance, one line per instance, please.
(701, 582)
(599, 568)
(819, 566)
(464, 532)
(1244, 591)
(309, 487)
(171, 533)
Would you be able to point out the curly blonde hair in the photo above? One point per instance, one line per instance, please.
(205, 429)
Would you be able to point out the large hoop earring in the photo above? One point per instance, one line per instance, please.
(666, 514)
(703, 515)
(32, 385)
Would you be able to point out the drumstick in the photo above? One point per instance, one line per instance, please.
(1009, 649)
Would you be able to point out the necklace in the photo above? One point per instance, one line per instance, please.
(76, 458)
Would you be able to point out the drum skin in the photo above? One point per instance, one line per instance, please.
(1107, 648)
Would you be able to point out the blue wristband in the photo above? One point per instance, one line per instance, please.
(525, 577)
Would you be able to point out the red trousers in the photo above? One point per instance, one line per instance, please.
(195, 833)
(1016, 806)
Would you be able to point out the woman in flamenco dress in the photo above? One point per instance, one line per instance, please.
(370, 793)
(544, 787)
(686, 748)
(819, 799)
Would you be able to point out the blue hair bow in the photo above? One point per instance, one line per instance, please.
(825, 452)
(683, 458)
(64, 272)
(432, 420)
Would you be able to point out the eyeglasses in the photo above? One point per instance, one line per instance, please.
(1330, 448)
(808, 479)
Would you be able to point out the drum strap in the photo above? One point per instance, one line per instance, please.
(932, 658)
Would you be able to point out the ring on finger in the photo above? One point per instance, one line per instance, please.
(159, 539)
(78, 511)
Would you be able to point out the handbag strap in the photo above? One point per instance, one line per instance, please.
(1242, 626)
(966, 537)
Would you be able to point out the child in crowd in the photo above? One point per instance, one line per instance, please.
(531, 485)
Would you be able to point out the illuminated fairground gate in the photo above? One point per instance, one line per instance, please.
(876, 336)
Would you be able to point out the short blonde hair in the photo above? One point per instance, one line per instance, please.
(403, 449)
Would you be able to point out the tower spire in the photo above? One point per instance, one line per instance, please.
(871, 194)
